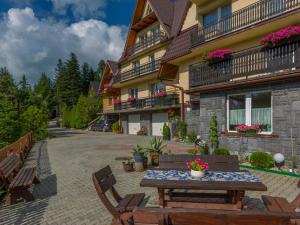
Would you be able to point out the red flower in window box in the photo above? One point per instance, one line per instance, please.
(220, 54)
(252, 129)
(274, 38)
(131, 99)
(161, 94)
(117, 101)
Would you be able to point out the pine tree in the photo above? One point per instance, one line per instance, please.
(213, 132)
(23, 94)
(99, 71)
(87, 77)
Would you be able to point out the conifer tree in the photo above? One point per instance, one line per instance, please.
(213, 132)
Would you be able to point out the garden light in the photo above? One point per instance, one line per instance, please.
(279, 160)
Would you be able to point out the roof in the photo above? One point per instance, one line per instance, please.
(181, 45)
(180, 10)
(113, 66)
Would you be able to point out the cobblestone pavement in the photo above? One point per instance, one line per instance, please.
(66, 194)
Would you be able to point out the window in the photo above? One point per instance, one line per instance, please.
(136, 67)
(133, 93)
(155, 33)
(110, 100)
(143, 40)
(156, 88)
(151, 59)
(250, 109)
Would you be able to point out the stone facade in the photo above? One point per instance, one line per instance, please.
(286, 117)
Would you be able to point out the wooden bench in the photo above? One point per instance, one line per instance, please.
(104, 181)
(155, 216)
(15, 180)
(278, 204)
(215, 162)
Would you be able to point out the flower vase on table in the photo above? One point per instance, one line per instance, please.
(198, 168)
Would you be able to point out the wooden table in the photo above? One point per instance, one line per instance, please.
(233, 195)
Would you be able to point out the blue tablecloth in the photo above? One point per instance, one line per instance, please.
(209, 176)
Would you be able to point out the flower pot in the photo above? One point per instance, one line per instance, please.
(197, 174)
(216, 60)
(139, 166)
(128, 167)
(154, 158)
(138, 156)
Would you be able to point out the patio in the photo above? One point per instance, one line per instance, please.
(66, 194)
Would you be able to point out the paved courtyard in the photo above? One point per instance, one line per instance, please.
(66, 194)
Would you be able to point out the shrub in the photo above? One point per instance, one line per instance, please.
(213, 132)
(166, 132)
(182, 130)
(192, 136)
(261, 159)
(116, 127)
(221, 151)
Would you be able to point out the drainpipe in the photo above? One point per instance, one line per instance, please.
(182, 112)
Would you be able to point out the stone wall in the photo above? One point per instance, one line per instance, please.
(286, 115)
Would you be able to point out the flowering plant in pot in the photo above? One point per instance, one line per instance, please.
(131, 99)
(280, 37)
(197, 168)
(128, 165)
(248, 129)
(161, 94)
(219, 55)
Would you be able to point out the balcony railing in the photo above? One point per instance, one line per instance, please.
(147, 43)
(251, 63)
(151, 102)
(254, 13)
(138, 71)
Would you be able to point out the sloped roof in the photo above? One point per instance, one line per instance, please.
(113, 66)
(180, 11)
(181, 45)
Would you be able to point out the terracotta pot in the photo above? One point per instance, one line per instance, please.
(154, 158)
(128, 167)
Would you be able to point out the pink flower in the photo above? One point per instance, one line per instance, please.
(244, 127)
(282, 34)
(117, 101)
(131, 99)
(219, 54)
(197, 165)
(161, 94)
(189, 164)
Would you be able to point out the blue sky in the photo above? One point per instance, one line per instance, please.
(36, 33)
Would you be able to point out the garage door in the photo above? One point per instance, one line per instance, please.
(134, 124)
(158, 120)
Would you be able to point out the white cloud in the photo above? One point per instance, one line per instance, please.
(29, 45)
(81, 8)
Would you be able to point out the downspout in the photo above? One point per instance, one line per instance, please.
(182, 112)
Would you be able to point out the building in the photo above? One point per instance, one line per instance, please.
(255, 84)
(135, 93)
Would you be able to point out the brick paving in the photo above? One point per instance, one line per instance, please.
(66, 194)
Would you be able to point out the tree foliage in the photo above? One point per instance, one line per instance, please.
(213, 132)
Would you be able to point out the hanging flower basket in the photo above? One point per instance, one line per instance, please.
(131, 100)
(161, 94)
(248, 129)
(281, 37)
(219, 55)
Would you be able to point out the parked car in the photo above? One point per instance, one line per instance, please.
(103, 125)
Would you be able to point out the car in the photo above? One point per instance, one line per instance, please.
(103, 125)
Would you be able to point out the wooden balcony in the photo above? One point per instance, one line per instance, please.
(142, 70)
(262, 10)
(249, 64)
(171, 100)
(149, 42)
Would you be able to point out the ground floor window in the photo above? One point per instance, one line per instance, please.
(250, 109)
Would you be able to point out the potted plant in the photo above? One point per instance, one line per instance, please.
(138, 153)
(145, 162)
(197, 168)
(155, 150)
(166, 132)
(128, 165)
(219, 55)
(248, 129)
(280, 37)
(116, 128)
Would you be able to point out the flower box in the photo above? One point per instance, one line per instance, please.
(117, 101)
(161, 94)
(248, 129)
(281, 37)
(131, 100)
(219, 55)
(106, 86)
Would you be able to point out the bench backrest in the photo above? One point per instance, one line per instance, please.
(9, 166)
(216, 163)
(104, 181)
(157, 216)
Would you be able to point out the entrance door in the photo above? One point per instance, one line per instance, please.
(134, 124)
(158, 120)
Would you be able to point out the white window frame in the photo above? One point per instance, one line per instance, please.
(135, 92)
(248, 109)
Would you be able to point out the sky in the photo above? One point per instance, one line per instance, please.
(36, 33)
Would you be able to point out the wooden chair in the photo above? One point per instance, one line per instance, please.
(278, 204)
(104, 181)
(156, 216)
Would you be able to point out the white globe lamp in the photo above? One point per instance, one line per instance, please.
(279, 160)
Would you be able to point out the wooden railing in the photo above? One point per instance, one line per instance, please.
(147, 43)
(18, 147)
(138, 71)
(254, 13)
(151, 102)
(243, 65)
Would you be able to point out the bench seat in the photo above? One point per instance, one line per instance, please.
(129, 202)
(277, 204)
